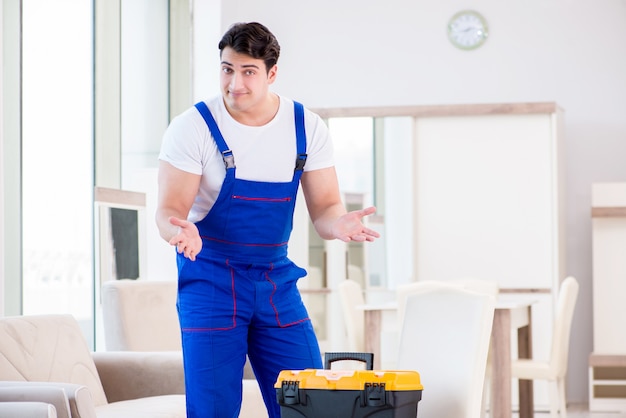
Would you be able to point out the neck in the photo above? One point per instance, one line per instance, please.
(258, 115)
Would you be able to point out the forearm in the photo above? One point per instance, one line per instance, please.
(177, 191)
(324, 222)
(165, 227)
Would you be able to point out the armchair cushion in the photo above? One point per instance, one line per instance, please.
(130, 374)
(27, 410)
(168, 406)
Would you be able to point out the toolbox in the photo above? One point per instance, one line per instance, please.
(315, 393)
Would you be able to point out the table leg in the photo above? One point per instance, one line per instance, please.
(501, 364)
(524, 349)
(373, 328)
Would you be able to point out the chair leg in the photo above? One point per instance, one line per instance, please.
(486, 402)
(553, 395)
(562, 401)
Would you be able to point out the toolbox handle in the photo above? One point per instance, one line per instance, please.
(367, 358)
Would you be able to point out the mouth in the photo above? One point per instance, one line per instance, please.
(236, 94)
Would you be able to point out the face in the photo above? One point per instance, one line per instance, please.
(244, 81)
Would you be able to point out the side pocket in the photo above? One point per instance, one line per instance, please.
(285, 298)
(206, 297)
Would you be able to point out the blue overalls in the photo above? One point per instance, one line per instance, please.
(240, 297)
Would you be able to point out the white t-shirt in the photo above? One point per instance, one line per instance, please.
(262, 153)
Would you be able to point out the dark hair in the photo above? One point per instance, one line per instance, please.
(252, 39)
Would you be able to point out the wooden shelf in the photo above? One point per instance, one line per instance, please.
(607, 383)
(442, 110)
(608, 212)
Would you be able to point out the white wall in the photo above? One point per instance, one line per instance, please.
(355, 53)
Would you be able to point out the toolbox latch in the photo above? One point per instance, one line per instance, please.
(290, 392)
(374, 394)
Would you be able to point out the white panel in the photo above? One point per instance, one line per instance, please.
(207, 31)
(485, 199)
(608, 194)
(398, 201)
(144, 51)
(1, 170)
(609, 285)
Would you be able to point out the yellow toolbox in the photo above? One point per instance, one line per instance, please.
(314, 393)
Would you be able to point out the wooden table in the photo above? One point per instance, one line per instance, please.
(511, 313)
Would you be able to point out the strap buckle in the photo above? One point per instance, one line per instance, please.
(229, 159)
(300, 161)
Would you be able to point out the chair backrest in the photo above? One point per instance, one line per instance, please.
(490, 287)
(351, 294)
(140, 315)
(445, 337)
(356, 273)
(568, 294)
(48, 348)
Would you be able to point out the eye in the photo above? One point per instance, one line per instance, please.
(227, 70)
(250, 72)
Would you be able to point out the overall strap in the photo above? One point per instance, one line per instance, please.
(227, 154)
(300, 136)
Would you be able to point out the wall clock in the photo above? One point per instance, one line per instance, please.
(467, 29)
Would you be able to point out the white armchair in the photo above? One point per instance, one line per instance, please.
(47, 357)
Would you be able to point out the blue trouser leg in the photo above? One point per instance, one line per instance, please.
(241, 308)
(273, 350)
(214, 339)
(213, 373)
(280, 336)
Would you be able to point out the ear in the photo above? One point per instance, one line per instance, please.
(271, 74)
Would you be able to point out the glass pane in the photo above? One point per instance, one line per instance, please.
(353, 139)
(354, 154)
(58, 159)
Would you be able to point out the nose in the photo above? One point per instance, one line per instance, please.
(235, 82)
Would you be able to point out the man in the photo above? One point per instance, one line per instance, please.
(229, 173)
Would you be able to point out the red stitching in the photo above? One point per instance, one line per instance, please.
(274, 306)
(262, 199)
(206, 329)
(232, 285)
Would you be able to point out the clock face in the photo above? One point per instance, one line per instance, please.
(467, 29)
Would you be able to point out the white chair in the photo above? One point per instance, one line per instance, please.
(554, 370)
(445, 336)
(356, 273)
(140, 315)
(490, 287)
(351, 294)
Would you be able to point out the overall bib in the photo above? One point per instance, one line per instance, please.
(240, 297)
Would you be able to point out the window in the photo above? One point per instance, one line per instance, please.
(57, 159)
